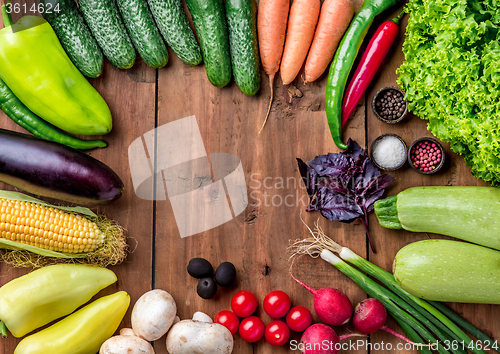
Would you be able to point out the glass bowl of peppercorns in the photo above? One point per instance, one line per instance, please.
(426, 156)
(389, 105)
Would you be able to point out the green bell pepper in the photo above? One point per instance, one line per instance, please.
(82, 332)
(34, 65)
(37, 298)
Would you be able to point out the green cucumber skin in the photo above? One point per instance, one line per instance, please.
(143, 32)
(241, 21)
(107, 26)
(174, 26)
(468, 213)
(75, 36)
(449, 271)
(210, 22)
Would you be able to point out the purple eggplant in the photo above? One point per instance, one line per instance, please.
(55, 171)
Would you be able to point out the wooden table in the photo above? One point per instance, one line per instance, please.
(143, 98)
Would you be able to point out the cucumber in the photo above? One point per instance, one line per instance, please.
(210, 22)
(450, 271)
(143, 32)
(241, 22)
(174, 26)
(468, 213)
(75, 36)
(107, 26)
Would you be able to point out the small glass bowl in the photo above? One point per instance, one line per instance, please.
(375, 142)
(431, 140)
(380, 93)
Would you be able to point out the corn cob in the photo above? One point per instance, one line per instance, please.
(34, 233)
(48, 228)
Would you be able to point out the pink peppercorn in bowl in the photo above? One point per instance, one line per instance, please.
(426, 156)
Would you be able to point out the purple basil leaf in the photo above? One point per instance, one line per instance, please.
(334, 184)
(309, 176)
(331, 165)
(353, 150)
(338, 207)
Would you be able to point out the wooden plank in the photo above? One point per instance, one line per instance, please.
(131, 98)
(455, 173)
(255, 241)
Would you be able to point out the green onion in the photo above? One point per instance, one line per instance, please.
(380, 293)
(413, 336)
(388, 280)
(469, 327)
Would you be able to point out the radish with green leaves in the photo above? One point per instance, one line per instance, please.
(332, 306)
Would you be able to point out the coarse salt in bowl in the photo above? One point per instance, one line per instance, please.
(388, 152)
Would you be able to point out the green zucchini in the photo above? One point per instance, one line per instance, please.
(241, 22)
(107, 26)
(174, 26)
(450, 271)
(210, 22)
(75, 36)
(468, 213)
(143, 32)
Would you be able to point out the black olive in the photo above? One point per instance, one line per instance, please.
(200, 268)
(225, 275)
(206, 288)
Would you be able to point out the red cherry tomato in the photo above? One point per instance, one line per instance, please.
(277, 333)
(243, 303)
(252, 329)
(277, 304)
(228, 320)
(299, 318)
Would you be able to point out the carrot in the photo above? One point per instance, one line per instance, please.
(301, 25)
(333, 21)
(272, 16)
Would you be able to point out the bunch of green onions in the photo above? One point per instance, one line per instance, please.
(421, 320)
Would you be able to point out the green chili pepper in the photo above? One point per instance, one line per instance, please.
(20, 114)
(34, 65)
(82, 332)
(37, 298)
(343, 61)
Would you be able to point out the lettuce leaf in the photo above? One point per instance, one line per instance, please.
(451, 75)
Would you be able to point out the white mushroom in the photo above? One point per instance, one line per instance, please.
(153, 314)
(127, 332)
(126, 345)
(198, 337)
(202, 317)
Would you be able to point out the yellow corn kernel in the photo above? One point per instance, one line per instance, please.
(48, 228)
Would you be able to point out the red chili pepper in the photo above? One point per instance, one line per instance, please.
(370, 62)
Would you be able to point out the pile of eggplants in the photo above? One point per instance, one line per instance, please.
(52, 170)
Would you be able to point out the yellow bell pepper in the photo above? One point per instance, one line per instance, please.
(82, 332)
(40, 297)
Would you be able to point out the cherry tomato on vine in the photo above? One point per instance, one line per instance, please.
(243, 303)
(277, 333)
(299, 318)
(252, 329)
(228, 320)
(277, 304)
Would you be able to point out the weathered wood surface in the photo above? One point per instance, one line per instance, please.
(255, 241)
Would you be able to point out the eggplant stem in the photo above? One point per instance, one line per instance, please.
(396, 334)
(3, 330)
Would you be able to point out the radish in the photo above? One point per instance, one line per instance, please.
(332, 306)
(321, 339)
(370, 316)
